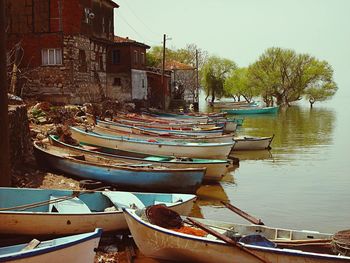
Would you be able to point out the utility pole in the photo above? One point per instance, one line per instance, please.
(197, 79)
(5, 177)
(163, 64)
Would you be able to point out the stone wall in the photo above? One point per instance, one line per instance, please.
(19, 133)
(81, 78)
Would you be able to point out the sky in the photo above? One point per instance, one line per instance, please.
(241, 30)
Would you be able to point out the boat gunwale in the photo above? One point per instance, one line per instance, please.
(43, 250)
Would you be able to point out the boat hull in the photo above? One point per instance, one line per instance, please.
(157, 242)
(79, 249)
(215, 169)
(138, 134)
(252, 143)
(128, 128)
(48, 223)
(253, 110)
(149, 180)
(193, 150)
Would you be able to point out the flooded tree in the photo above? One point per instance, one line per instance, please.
(237, 85)
(214, 74)
(285, 76)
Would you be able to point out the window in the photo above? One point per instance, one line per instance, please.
(103, 25)
(136, 57)
(82, 61)
(51, 56)
(100, 63)
(117, 82)
(116, 56)
(142, 58)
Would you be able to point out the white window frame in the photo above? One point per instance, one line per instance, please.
(57, 56)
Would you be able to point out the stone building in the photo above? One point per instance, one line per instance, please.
(65, 45)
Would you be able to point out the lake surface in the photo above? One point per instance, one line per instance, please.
(302, 183)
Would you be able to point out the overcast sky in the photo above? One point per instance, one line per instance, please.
(242, 29)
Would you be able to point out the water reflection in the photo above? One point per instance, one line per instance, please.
(252, 155)
(294, 128)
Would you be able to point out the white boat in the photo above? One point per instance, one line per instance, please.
(78, 249)
(158, 242)
(190, 149)
(215, 169)
(247, 143)
(151, 135)
(65, 212)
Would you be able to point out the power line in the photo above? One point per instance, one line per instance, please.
(137, 33)
(138, 18)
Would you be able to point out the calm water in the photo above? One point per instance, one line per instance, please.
(302, 183)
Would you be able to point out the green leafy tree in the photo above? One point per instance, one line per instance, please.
(285, 76)
(237, 85)
(320, 93)
(214, 73)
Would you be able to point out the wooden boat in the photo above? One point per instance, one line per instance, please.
(26, 211)
(78, 248)
(234, 104)
(144, 122)
(125, 175)
(189, 149)
(247, 143)
(128, 128)
(152, 135)
(176, 127)
(162, 243)
(215, 169)
(253, 110)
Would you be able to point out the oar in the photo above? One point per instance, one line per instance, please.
(47, 202)
(243, 214)
(225, 238)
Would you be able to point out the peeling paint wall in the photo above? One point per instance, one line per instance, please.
(139, 84)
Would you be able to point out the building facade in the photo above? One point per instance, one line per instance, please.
(64, 47)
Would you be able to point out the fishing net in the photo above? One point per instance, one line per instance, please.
(161, 215)
(341, 242)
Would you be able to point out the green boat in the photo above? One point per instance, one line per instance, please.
(252, 110)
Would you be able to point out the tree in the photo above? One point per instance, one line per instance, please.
(237, 85)
(321, 93)
(285, 76)
(214, 74)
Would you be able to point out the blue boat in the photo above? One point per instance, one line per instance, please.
(43, 212)
(253, 110)
(78, 248)
(215, 168)
(124, 175)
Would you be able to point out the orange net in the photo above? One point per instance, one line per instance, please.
(191, 231)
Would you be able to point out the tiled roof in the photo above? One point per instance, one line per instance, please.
(118, 39)
(173, 64)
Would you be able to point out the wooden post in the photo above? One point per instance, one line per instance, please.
(5, 177)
